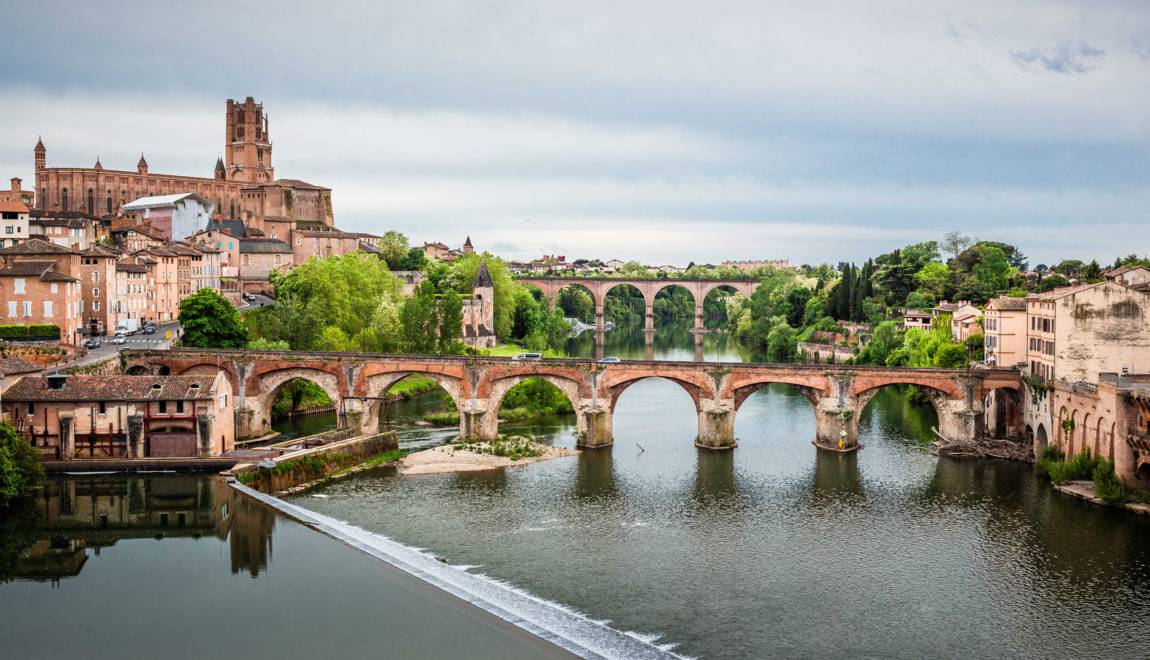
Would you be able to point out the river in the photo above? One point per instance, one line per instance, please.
(776, 549)
(771, 550)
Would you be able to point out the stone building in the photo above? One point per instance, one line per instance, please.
(165, 283)
(97, 279)
(479, 311)
(242, 184)
(124, 416)
(17, 193)
(135, 291)
(38, 284)
(1004, 321)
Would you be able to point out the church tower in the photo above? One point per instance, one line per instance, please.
(248, 149)
(40, 154)
(479, 310)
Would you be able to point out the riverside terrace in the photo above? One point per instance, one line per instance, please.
(357, 383)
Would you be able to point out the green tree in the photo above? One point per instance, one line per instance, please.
(393, 249)
(1051, 282)
(461, 278)
(933, 278)
(885, 340)
(950, 356)
(782, 344)
(450, 323)
(20, 468)
(208, 320)
(993, 269)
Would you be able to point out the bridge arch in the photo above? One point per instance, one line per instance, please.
(694, 390)
(1083, 429)
(561, 299)
(666, 292)
(377, 385)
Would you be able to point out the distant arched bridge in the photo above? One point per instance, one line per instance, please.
(358, 382)
(599, 287)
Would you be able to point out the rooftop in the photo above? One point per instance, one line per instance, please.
(113, 388)
(163, 200)
(35, 246)
(13, 207)
(1007, 304)
(264, 246)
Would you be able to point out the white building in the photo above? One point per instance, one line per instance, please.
(14, 220)
(177, 216)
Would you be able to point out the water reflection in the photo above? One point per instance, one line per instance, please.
(715, 478)
(595, 476)
(53, 535)
(835, 478)
(669, 341)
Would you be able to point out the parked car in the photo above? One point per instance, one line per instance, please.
(149, 329)
(93, 342)
(609, 360)
(249, 297)
(120, 338)
(528, 356)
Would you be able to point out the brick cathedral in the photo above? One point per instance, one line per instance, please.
(243, 185)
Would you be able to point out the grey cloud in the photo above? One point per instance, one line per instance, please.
(1078, 57)
(1141, 47)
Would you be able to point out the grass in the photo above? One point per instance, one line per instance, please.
(386, 457)
(514, 447)
(310, 468)
(451, 418)
(446, 418)
(1084, 467)
(411, 386)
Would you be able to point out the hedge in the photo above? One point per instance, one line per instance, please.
(35, 331)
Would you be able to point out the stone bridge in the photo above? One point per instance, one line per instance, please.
(358, 382)
(599, 287)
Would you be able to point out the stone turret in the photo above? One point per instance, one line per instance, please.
(142, 166)
(221, 172)
(41, 154)
(467, 247)
(479, 310)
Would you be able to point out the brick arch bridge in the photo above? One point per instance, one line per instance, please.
(359, 381)
(599, 287)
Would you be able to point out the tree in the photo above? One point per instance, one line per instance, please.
(450, 323)
(955, 242)
(208, 320)
(993, 269)
(975, 347)
(933, 278)
(782, 345)
(885, 340)
(393, 249)
(950, 356)
(20, 468)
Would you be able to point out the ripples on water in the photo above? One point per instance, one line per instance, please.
(777, 549)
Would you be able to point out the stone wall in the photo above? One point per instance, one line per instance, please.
(313, 464)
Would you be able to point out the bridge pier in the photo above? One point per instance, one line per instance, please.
(959, 421)
(716, 424)
(477, 422)
(698, 318)
(837, 425)
(594, 426)
(698, 347)
(600, 328)
(648, 314)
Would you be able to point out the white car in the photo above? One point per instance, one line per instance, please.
(528, 356)
(120, 338)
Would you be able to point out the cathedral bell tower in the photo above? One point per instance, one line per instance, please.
(248, 149)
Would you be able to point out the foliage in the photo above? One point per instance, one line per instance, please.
(297, 394)
(577, 303)
(33, 331)
(515, 448)
(461, 278)
(975, 347)
(208, 320)
(537, 397)
(20, 468)
(412, 385)
(1107, 486)
(17, 534)
(950, 356)
(1051, 282)
(261, 344)
(341, 303)
(885, 340)
(1077, 468)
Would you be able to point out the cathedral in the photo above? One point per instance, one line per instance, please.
(243, 185)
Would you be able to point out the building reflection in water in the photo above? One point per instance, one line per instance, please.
(73, 518)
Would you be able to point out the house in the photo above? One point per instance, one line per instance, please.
(133, 238)
(916, 318)
(165, 283)
(13, 369)
(258, 258)
(38, 284)
(1004, 323)
(14, 220)
(613, 265)
(97, 279)
(438, 251)
(1132, 275)
(964, 325)
(175, 216)
(79, 416)
(16, 193)
(135, 291)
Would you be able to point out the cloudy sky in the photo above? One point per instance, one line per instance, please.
(662, 131)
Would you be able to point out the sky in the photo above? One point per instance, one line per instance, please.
(665, 132)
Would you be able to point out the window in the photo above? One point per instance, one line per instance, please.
(11, 309)
(8, 229)
(55, 288)
(48, 309)
(27, 308)
(223, 401)
(103, 407)
(95, 293)
(18, 285)
(179, 406)
(64, 199)
(163, 407)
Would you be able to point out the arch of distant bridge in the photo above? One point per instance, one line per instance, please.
(357, 384)
(599, 287)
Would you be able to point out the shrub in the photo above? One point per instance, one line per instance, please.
(1078, 468)
(1048, 455)
(20, 468)
(1107, 486)
(33, 332)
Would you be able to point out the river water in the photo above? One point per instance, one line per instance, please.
(776, 549)
(771, 550)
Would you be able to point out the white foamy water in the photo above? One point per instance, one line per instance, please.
(551, 621)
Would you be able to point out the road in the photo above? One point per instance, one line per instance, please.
(259, 300)
(137, 341)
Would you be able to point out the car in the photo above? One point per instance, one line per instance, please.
(120, 338)
(93, 342)
(249, 297)
(149, 329)
(528, 356)
(609, 360)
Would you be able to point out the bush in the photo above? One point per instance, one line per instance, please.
(20, 468)
(33, 332)
(1079, 468)
(1107, 486)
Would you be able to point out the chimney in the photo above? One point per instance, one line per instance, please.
(16, 184)
(57, 381)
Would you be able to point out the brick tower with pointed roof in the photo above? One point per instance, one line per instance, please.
(479, 310)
